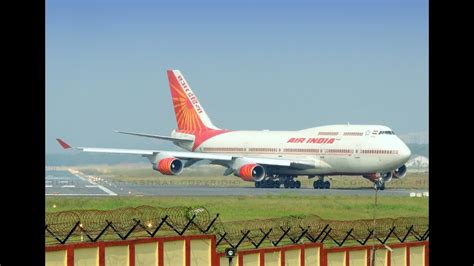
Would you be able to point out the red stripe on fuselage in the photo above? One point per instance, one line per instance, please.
(202, 135)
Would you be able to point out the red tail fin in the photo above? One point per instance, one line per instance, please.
(190, 115)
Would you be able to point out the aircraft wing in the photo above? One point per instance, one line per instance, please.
(196, 156)
(177, 154)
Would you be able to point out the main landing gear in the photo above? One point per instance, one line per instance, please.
(321, 184)
(277, 181)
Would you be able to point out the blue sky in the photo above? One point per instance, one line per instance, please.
(279, 65)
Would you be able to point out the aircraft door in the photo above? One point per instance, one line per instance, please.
(356, 159)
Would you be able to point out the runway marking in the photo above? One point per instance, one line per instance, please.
(92, 186)
(106, 190)
(68, 186)
(48, 186)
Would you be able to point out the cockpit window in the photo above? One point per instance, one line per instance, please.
(387, 132)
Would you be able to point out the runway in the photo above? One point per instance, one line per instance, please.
(65, 183)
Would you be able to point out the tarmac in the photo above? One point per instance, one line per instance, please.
(71, 183)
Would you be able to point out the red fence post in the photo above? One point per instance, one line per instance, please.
(302, 254)
(160, 252)
(215, 260)
(131, 254)
(187, 251)
(282, 257)
(101, 254)
(70, 255)
(407, 252)
(261, 255)
(323, 256)
(347, 258)
(368, 254)
(389, 258)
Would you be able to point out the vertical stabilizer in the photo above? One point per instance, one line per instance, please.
(190, 114)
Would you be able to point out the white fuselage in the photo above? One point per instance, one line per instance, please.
(335, 149)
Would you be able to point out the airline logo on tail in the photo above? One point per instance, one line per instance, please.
(190, 94)
(189, 113)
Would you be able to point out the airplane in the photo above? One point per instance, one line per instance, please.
(271, 159)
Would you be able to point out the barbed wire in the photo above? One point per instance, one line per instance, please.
(148, 221)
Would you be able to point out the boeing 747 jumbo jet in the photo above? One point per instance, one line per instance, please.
(272, 158)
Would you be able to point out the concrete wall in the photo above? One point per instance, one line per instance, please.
(163, 251)
(406, 254)
(200, 250)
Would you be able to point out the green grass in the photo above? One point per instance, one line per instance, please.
(232, 208)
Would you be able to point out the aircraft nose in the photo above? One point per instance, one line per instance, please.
(405, 153)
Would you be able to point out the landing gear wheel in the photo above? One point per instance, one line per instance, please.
(297, 184)
(319, 184)
(315, 185)
(269, 184)
(292, 184)
(286, 184)
(257, 184)
(276, 184)
(326, 185)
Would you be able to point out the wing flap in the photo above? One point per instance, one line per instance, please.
(122, 151)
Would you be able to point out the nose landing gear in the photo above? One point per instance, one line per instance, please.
(379, 185)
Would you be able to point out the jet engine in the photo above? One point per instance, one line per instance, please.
(169, 166)
(251, 172)
(400, 172)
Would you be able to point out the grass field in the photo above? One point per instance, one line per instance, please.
(232, 208)
(212, 176)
